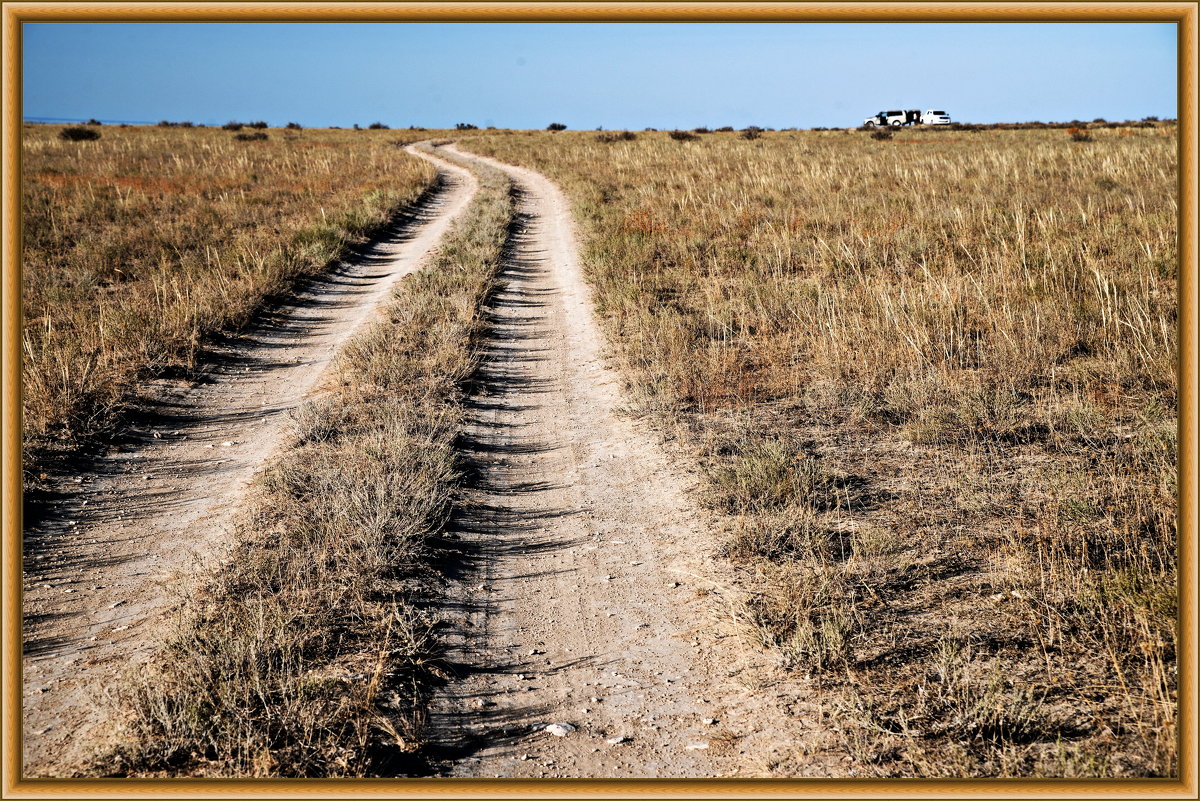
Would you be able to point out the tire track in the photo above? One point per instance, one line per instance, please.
(104, 564)
(580, 590)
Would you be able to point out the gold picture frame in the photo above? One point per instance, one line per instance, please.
(1184, 15)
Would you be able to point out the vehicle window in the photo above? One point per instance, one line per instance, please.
(939, 113)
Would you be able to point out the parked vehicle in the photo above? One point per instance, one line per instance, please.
(901, 118)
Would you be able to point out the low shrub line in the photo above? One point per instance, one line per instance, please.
(306, 655)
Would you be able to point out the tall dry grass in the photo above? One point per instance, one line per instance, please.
(139, 245)
(307, 655)
(933, 384)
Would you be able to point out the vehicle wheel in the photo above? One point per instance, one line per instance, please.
(868, 125)
(896, 123)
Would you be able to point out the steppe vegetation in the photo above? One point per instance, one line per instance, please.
(305, 655)
(140, 244)
(932, 382)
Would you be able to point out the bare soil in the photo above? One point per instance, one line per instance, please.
(104, 565)
(585, 593)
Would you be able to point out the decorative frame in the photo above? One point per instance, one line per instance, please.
(12, 785)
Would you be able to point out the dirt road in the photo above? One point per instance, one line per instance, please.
(583, 578)
(102, 569)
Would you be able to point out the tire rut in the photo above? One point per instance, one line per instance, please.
(104, 564)
(580, 593)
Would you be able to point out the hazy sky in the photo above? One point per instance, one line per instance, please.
(588, 75)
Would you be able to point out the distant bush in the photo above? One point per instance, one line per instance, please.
(1150, 119)
(556, 126)
(700, 130)
(751, 132)
(682, 136)
(881, 134)
(1079, 135)
(257, 136)
(725, 129)
(616, 136)
(232, 126)
(165, 124)
(293, 126)
(78, 133)
(259, 124)
(465, 126)
(187, 124)
(93, 121)
(377, 126)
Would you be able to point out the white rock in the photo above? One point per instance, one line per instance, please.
(617, 740)
(560, 729)
(696, 746)
(708, 721)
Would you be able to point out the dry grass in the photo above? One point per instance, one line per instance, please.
(305, 655)
(139, 245)
(933, 383)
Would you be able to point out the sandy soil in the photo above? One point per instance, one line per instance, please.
(105, 565)
(584, 590)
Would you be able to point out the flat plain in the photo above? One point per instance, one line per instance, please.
(785, 453)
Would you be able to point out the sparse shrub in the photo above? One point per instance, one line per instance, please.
(77, 133)
(259, 124)
(233, 126)
(556, 126)
(257, 136)
(293, 126)
(1079, 135)
(682, 136)
(377, 126)
(187, 124)
(93, 121)
(725, 129)
(751, 132)
(166, 124)
(616, 136)
(881, 134)
(465, 126)
(700, 130)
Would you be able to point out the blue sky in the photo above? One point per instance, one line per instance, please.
(588, 75)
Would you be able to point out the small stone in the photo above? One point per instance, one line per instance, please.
(146, 477)
(617, 740)
(594, 700)
(227, 443)
(118, 603)
(560, 729)
(708, 721)
(695, 746)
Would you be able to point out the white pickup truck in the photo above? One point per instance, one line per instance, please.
(897, 119)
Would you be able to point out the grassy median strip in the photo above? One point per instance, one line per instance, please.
(305, 656)
(140, 244)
